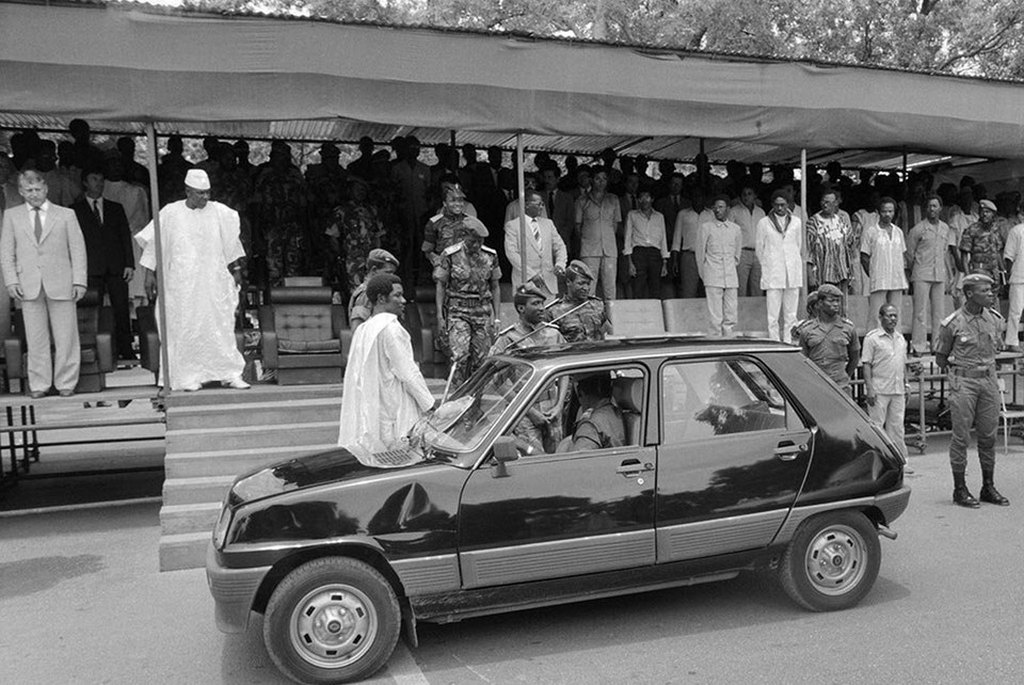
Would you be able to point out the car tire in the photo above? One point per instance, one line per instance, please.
(331, 620)
(832, 561)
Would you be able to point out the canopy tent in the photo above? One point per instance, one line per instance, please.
(258, 76)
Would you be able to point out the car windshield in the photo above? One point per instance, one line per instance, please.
(460, 423)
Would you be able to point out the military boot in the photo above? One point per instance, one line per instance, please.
(988, 490)
(961, 495)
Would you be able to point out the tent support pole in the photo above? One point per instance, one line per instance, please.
(451, 140)
(160, 300)
(906, 178)
(803, 235)
(521, 180)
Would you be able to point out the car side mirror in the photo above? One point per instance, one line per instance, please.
(504, 451)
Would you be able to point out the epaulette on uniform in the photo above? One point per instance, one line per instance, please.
(949, 319)
(847, 322)
(452, 249)
(436, 217)
(488, 249)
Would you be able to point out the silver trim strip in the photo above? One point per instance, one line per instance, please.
(719, 536)
(557, 558)
(426, 575)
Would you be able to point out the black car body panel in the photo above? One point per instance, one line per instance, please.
(465, 535)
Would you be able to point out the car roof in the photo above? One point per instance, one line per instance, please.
(624, 349)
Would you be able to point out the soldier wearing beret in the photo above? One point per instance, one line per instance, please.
(589, 321)
(467, 297)
(540, 430)
(830, 340)
(359, 306)
(441, 231)
(981, 246)
(966, 350)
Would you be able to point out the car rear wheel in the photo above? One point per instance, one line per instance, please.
(332, 620)
(832, 561)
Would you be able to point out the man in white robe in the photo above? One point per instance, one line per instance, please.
(201, 254)
(779, 249)
(384, 392)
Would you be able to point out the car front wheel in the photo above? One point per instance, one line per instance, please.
(832, 561)
(331, 620)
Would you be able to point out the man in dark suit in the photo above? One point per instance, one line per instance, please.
(108, 243)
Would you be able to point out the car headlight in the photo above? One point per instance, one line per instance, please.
(220, 531)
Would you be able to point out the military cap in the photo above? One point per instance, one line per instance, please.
(527, 291)
(471, 223)
(381, 256)
(977, 278)
(329, 150)
(987, 204)
(829, 290)
(580, 268)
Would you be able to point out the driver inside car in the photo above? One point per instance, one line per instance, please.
(599, 423)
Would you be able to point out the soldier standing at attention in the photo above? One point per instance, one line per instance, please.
(467, 297)
(442, 229)
(540, 430)
(968, 340)
(830, 340)
(589, 321)
(360, 308)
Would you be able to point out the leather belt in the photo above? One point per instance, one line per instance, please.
(748, 248)
(983, 372)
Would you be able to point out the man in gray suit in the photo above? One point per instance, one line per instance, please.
(43, 259)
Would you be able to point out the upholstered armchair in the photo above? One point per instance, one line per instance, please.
(305, 338)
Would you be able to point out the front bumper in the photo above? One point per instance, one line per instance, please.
(233, 590)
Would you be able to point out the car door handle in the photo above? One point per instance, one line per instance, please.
(630, 468)
(789, 451)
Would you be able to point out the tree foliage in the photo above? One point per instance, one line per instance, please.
(976, 37)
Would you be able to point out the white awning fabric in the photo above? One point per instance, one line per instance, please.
(130, 63)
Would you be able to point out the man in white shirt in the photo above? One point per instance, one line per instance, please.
(1013, 253)
(684, 241)
(718, 256)
(779, 249)
(884, 358)
(883, 258)
(931, 247)
(384, 392)
(746, 214)
(646, 248)
(545, 251)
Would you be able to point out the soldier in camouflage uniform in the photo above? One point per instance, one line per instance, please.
(232, 187)
(355, 233)
(541, 429)
(590, 321)
(280, 198)
(441, 230)
(467, 298)
(359, 306)
(326, 188)
(981, 246)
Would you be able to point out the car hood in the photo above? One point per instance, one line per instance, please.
(333, 466)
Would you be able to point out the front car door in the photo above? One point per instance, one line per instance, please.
(732, 459)
(561, 514)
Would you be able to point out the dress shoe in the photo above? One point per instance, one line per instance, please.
(192, 387)
(236, 383)
(66, 393)
(37, 394)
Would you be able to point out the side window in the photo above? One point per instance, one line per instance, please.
(703, 399)
(584, 410)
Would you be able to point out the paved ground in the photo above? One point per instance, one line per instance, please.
(81, 601)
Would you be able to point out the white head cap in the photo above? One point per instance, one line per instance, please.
(197, 178)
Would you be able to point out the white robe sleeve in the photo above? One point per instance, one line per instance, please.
(230, 228)
(397, 349)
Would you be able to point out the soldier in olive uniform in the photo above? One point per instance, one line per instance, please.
(589, 321)
(968, 341)
(599, 424)
(540, 430)
(830, 340)
(811, 308)
(280, 198)
(441, 230)
(359, 306)
(467, 298)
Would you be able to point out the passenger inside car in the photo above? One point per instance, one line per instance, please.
(599, 423)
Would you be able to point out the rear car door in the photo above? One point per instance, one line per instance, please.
(562, 514)
(732, 458)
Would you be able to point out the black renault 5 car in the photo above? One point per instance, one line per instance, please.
(733, 455)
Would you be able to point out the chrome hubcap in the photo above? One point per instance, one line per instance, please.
(835, 560)
(333, 626)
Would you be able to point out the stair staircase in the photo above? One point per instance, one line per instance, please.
(214, 435)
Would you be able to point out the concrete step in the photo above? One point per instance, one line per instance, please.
(188, 518)
(258, 393)
(183, 551)
(311, 410)
(250, 437)
(203, 489)
(199, 464)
